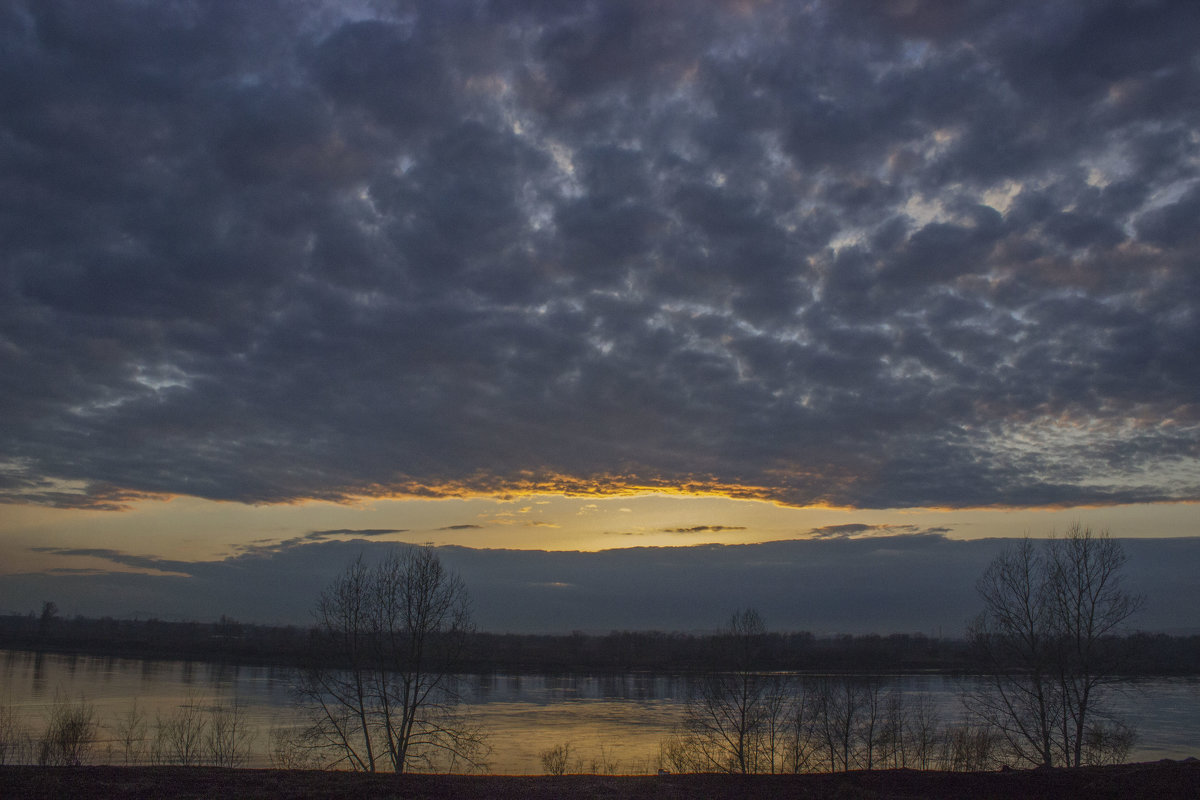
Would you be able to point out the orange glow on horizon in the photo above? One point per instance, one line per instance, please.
(486, 487)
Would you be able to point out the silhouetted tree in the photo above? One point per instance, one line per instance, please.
(399, 628)
(735, 720)
(48, 617)
(1046, 637)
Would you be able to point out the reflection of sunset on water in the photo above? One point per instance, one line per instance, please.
(617, 719)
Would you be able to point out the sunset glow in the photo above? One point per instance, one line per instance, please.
(560, 277)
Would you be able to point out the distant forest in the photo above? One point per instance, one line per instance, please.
(231, 641)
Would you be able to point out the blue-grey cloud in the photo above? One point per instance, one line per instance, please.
(705, 529)
(858, 530)
(887, 583)
(894, 254)
(352, 532)
(152, 563)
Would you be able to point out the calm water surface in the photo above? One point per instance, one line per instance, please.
(610, 718)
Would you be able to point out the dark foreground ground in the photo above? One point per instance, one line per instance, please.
(1165, 780)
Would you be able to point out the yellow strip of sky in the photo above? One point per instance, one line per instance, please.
(189, 529)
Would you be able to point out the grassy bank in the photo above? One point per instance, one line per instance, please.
(1166, 780)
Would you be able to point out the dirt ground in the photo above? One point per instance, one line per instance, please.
(1164, 780)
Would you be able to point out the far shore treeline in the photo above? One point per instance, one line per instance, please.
(228, 640)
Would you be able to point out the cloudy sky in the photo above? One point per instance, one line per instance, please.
(584, 275)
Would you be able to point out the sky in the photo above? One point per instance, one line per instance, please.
(525, 276)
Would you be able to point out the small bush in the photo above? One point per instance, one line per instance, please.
(969, 748)
(229, 737)
(295, 748)
(16, 746)
(70, 734)
(556, 760)
(130, 730)
(605, 763)
(1108, 744)
(180, 738)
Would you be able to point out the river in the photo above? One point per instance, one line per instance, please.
(612, 721)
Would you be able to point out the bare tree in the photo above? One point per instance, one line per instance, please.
(850, 720)
(229, 738)
(1013, 635)
(420, 622)
(1088, 606)
(130, 731)
(922, 733)
(340, 698)
(48, 618)
(831, 723)
(399, 629)
(180, 738)
(1046, 638)
(801, 748)
(836, 704)
(736, 718)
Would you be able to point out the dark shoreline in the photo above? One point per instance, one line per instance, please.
(1161, 780)
(230, 642)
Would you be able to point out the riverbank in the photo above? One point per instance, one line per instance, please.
(232, 642)
(1162, 780)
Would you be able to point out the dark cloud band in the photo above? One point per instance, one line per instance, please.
(915, 255)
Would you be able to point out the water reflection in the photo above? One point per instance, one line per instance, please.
(39, 675)
(620, 717)
(150, 669)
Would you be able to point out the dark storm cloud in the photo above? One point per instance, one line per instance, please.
(877, 584)
(897, 255)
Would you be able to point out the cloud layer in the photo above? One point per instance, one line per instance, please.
(900, 254)
(874, 584)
